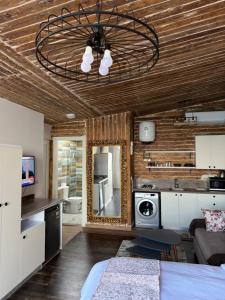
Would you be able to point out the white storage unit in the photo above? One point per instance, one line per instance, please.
(179, 209)
(170, 210)
(32, 249)
(211, 201)
(210, 151)
(188, 209)
(18, 257)
(10, 214)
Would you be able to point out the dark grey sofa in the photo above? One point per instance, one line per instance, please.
(209, 246)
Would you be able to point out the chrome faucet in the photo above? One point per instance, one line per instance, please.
(176, 184)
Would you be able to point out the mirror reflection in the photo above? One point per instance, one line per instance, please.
(107, 180)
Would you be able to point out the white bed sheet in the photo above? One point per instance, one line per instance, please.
(178, 281)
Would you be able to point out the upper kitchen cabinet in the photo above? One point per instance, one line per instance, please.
(210, 151)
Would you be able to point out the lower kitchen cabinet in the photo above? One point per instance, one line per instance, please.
(179, 209)
(211, 201)
(32, 249)
(170, 210)
(188, 209)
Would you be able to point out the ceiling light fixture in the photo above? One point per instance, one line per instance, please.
(70, 116)
(98, 44)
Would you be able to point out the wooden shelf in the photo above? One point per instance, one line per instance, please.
(154, 167)
(169, 151)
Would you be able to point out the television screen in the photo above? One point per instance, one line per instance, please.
(28, 170)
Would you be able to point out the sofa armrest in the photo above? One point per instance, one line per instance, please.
(196, 223)
(216, 259)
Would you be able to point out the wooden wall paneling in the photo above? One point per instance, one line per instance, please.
(170, 137)
(75, 128)
(116, 127)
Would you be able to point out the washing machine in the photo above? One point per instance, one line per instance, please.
(147, 209)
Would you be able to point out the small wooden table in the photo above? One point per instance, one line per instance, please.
(158, 240)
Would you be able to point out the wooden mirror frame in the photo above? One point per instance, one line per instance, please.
(124, 182)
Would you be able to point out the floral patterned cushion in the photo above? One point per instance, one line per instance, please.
(214, 219)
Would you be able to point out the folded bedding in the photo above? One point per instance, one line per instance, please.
(177, 281)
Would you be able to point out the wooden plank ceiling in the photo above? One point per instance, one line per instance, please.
(190, 71)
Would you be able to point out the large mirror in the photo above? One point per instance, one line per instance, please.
(106, 181)
(106, 197)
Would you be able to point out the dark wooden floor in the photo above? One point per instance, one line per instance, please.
(63, 277)
(69, 232)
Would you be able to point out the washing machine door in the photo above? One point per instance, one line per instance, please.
(146, 208)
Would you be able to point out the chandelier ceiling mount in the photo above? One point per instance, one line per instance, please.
(97, 44)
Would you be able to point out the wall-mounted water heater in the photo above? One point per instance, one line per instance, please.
(147, 131)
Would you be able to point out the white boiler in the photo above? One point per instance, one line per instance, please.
(147, 131)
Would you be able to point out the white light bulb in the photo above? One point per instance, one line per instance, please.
(88, 57)
(107, 59)
(103, 70)
(85, 67)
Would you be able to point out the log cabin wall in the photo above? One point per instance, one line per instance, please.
(116, 127)
(171, 137)
(75, 128)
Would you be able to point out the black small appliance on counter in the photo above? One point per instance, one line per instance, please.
(217, 184)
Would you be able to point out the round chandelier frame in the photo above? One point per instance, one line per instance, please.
(61, 42)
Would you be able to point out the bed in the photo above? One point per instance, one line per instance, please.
(177, 281)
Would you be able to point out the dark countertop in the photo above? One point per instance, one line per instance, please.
(188, 190)
(36, 205)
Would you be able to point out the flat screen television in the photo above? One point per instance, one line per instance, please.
(28, 170)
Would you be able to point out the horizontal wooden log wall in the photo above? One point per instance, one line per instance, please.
(109, 127)
(170, 137)
(114, 127)
(76, 128)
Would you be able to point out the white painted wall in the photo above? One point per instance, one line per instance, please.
(25, 127)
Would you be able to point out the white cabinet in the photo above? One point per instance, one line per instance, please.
(211, 201)
(32, 249)
(170, 210)
(188, 209)
(210, 151)
(10, 214)
(178, 209)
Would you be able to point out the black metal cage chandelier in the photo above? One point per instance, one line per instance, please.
(97, 44)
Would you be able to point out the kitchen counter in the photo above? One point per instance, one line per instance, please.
(36, 205)
(188, 190)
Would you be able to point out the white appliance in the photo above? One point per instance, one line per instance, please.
(147, 131)
(102, 164)
(147, 209)
(71, 205)
(103, 167)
